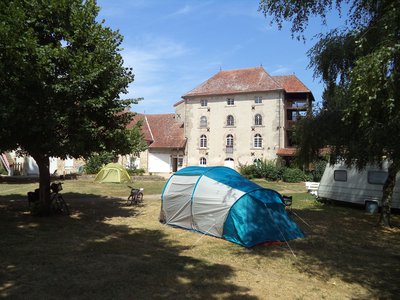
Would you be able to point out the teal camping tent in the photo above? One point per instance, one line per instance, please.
(218, 201)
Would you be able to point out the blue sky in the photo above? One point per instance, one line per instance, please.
(175, 45)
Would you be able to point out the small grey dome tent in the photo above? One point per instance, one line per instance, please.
(218, 201)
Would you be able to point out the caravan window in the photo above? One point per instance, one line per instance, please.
(340, 175)
(377, 177)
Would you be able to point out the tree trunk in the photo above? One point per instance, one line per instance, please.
(43, 207)
(388, 187)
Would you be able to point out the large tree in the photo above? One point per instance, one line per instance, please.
(61, 77)
(359, 64)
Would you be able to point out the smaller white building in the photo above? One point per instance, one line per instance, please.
(166, 144)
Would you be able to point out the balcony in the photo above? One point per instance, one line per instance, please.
(229, 149)
(296, 105)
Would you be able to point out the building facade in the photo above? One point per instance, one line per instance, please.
(166, 144)
(240, 116)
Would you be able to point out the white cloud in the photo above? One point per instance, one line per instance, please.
(182, 11)
(281, 70)
(151, 63)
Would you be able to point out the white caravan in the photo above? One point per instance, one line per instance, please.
(362, 187)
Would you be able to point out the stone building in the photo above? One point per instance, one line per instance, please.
(240, 116)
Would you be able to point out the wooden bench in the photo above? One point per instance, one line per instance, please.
(312, 187)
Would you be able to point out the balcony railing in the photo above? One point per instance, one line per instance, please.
(229, 149)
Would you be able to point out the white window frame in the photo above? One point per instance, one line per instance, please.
(230, 101)
(203, 141)
(258, 120)
(230, 120)
(203, 121)
(258, 99)
(229, 140)
(203, 161)
(258, 141)
(203, 102)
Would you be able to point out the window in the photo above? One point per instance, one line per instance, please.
(203, 102)
(230, 101)
(377, 177)
(258, 99)
(229, 140)
(203, 161)
(180, 162)
(257, 141)
(203, 141)
(230, 121)
(340, 175)
(203, 121)
(258, 119)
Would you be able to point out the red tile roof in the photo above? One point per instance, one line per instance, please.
(236, 81)
(291, 84)
(286, 152)
(161, 130)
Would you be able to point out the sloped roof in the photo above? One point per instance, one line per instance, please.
(236, 81)
(291, 84)
(286, 152)
(161, 130)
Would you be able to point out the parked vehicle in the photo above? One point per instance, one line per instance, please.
(350, 185)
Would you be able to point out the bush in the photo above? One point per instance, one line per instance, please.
(319, 168)
(97, 161)
(135, 171)
(293, 175)
(3, 171)
(247, 171)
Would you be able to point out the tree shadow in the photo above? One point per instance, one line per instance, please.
(345, 243)
(84, 256)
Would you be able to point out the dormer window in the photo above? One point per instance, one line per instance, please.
(230, 101)
(203, 102)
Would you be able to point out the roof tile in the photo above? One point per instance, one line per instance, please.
(161, 130)
(236, 81)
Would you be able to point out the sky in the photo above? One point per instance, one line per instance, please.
(175, 45)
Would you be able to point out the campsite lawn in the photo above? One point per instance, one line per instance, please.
(107, 250)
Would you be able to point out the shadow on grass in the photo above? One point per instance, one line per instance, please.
(344, 243)
(86, 257)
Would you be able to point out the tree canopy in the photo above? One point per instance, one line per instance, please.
(61, 77)
(359, 64)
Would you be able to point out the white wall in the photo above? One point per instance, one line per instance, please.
(159, 162)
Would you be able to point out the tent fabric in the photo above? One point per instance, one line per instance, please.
(218, 201)
(113, 172)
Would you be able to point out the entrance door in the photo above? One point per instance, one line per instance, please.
(230, 163)
(174, 164)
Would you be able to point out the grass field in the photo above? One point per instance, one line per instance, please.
(107, 250)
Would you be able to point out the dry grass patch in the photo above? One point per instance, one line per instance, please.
(107, 250)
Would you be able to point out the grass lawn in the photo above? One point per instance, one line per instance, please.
(107, 250)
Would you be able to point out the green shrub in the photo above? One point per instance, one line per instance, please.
(247, 171)
(293, 175)
(319, 168)
(97, 161)
(3, 171)
(135, 171)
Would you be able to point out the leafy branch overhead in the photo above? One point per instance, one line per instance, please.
(61, 77)
(359, 64)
